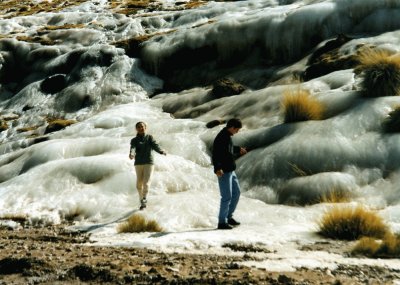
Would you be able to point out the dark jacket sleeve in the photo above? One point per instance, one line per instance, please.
(220, 150)
(132, 145)
(154, 145)
(236, 151)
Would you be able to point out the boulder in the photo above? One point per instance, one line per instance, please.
(214, 123)
(54, 84)
(327, 59)
(57, 125)
(226, 87)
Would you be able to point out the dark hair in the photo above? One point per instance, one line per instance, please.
(138, 123)
(236, 123)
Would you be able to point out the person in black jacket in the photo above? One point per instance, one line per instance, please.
(140, 150)
(224, 154)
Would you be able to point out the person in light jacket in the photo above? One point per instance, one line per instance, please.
(141, 150)
(224, 154)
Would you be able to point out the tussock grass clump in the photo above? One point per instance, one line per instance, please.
(380, 72)
(62, 27)
(391, 124)
(3, 125)
(194, 4)
(56, 124)
(20, 218)
(41, 40)
(389, 247)
(27, 129)
(14, 8)
(347, 223)
(299, 105)
(137, 224)
(366, 246)
(336, 195)
(75, 214)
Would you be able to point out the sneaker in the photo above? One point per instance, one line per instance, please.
(224, 227)
(233, 222)
(143, 203)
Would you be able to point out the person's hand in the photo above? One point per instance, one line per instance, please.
(219, 172)
(243, 151)
(163, 153)
(131, 156)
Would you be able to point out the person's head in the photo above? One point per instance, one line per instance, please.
(141, 127)
(234, 125)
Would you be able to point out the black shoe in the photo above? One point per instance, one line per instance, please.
(233, 222)
(224, 227)
(143, 204)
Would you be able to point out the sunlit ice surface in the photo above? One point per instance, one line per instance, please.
(83, 172)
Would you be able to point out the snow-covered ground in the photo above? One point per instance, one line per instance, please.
(84, 170)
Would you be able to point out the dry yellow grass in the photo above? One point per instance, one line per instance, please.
(298, 105)
(350, 223)
(75, 214)
(21, 218)
(380, 72)
(137, 223)
(194, 4)
(62, 27)
(43, 40)
(336, 195)
(3, 125)
(389, 247)
(366, 246)
(131, 7)
(370, 56)
(27, 129)
(13, 8)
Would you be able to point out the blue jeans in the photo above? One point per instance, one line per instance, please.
(230, 193)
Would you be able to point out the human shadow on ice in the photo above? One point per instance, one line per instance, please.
(157, 235)
(118, 220)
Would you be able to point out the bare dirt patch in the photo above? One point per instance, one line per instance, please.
(54, 255)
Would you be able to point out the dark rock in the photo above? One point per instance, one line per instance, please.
(327, 59)
(10, 265)
(226, 87)
(329, 46)
(40, 139)
(26, 108)
(214, 123)
(233, 265)
(54, 84)
(283, 279)
(87, 273)
(153, 270)
(57, 125)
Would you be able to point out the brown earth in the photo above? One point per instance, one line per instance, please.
(55, 255)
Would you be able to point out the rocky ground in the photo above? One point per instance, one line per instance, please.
(54, 255)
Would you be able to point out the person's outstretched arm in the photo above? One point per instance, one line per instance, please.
(155, 146)
(132, 149)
